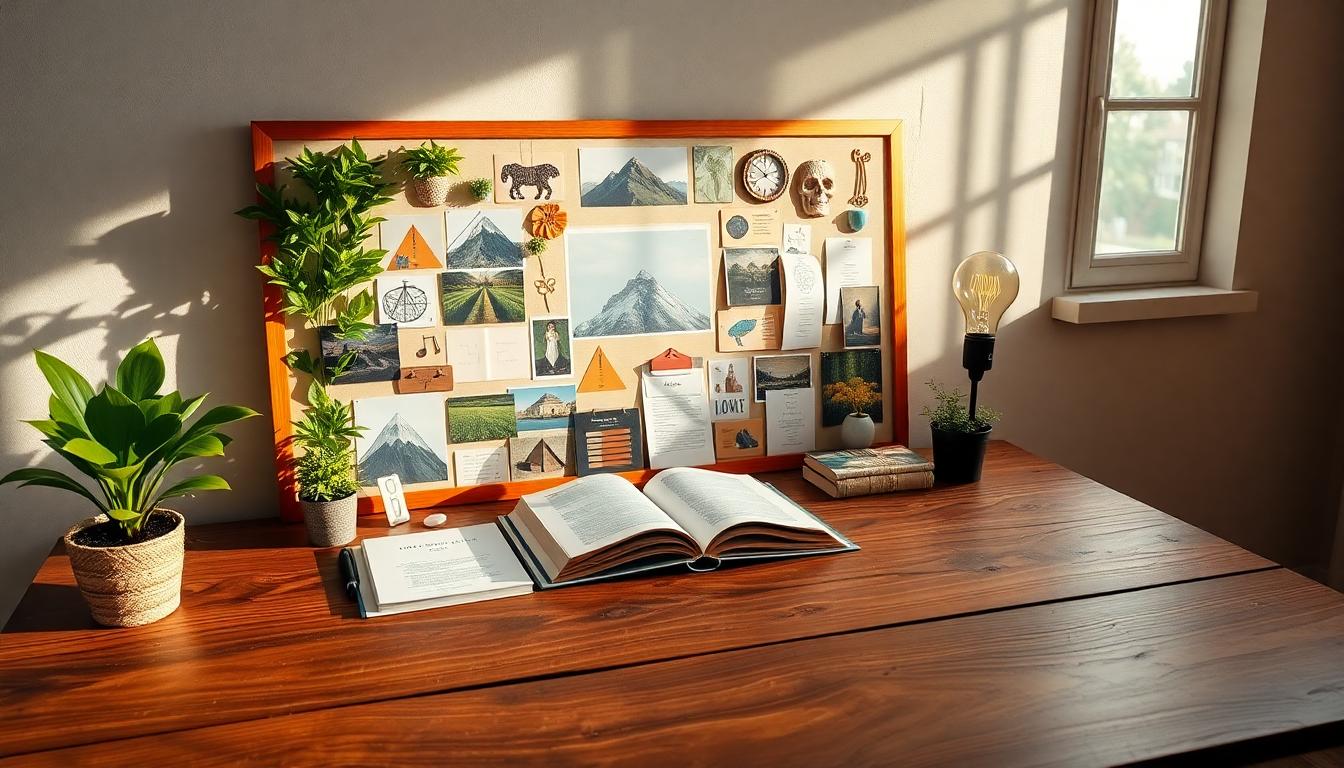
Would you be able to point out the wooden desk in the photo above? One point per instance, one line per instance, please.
(1036, 617)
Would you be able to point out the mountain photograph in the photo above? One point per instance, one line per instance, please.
(628, 282)
(752, 276)
(485, 239)
(403, 435)
(632, 176)
(781, 372)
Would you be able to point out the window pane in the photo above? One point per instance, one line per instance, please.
(1142, 176)
(1155, 46)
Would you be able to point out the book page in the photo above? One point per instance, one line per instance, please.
(707, 503)
(449, 561)
(593, 512)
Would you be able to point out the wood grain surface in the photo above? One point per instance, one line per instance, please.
(265, 630)
(1099, 681)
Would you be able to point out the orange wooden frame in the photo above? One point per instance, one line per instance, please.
(266, 133)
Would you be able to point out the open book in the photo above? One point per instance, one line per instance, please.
(602, 526)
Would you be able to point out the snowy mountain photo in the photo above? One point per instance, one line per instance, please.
(627, 282)
(403, 435)
(485, 239)
(626, 176)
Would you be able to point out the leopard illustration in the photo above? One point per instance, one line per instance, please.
(529, 176)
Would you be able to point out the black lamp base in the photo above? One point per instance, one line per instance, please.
(977, 356)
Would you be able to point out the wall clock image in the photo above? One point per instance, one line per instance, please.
(765, 175)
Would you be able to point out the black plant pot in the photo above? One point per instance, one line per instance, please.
(958, 457)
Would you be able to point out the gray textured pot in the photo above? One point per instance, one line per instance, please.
(130, 585)
(330, 523)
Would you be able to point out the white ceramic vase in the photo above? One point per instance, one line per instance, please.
(857, 431)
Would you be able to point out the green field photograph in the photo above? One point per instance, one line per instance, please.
(476, 298)
(481, 417)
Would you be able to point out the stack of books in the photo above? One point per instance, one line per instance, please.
(865, 471)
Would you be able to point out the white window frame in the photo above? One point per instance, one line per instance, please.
(1148, 267)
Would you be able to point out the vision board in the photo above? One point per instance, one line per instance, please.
(650, 215)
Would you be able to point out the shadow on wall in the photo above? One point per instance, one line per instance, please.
(120, 226)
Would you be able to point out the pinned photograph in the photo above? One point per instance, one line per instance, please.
(848, 377)
(629, 176)
(408, 299)
(752, 276)
(481, 417)
(551, 348)
(538, 408)
(485, 238)
(781, 372)
(739, 439)
(728, 379)
(485, 297)
(534, 455)
(529, 176)
(861, 314)
(412, 242)
(713, 167)
(372, 358)
(634, 281)
(403, 435)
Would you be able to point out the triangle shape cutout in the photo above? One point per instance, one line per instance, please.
(414, 253)
(601, 375)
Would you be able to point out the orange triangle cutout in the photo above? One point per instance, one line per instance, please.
(414, 253)
(601, 376)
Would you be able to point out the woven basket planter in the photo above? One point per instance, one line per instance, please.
(432, 191)
(330, 523)
(130, 585)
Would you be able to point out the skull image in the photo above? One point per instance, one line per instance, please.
(815, 179)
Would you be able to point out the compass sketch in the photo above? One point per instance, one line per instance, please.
(407, 300)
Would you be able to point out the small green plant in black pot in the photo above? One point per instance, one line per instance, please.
(959, 439)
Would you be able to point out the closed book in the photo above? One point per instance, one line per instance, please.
(863, 462)
(870, 484)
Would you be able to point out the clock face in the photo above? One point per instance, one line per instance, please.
(764, 175)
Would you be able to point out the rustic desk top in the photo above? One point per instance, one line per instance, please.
(1036, 617)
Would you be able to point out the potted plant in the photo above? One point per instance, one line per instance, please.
(959, 439)
(480, 189)
(429, 166)
(858, 394)
(324, 471)
(126, 438)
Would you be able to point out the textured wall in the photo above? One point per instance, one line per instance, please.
(125, 148)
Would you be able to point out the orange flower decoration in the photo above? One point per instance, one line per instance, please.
(548, 221)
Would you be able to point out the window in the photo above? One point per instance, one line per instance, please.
(1147, 140)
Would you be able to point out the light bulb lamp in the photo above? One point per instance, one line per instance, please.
(985, 284)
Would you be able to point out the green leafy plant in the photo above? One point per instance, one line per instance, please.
(325, 471)
(430, 160)
(480, 188)
(855, 393)
(126, 437)
(536, 246)
(320, 255)
(951, 415)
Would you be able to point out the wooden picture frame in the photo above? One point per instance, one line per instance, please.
(265, 135)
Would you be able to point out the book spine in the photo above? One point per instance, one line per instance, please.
(846, 474)
(865, 486)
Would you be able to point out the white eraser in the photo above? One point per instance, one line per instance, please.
(435, 520)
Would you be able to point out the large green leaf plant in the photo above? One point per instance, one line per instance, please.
(126, 437)
(320, 255)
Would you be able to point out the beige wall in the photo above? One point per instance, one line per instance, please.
(125, 149)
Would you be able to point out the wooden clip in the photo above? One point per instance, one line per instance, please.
(430, 378)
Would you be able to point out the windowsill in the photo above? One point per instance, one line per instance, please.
(1121, 305)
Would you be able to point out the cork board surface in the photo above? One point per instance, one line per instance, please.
(629, 354)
